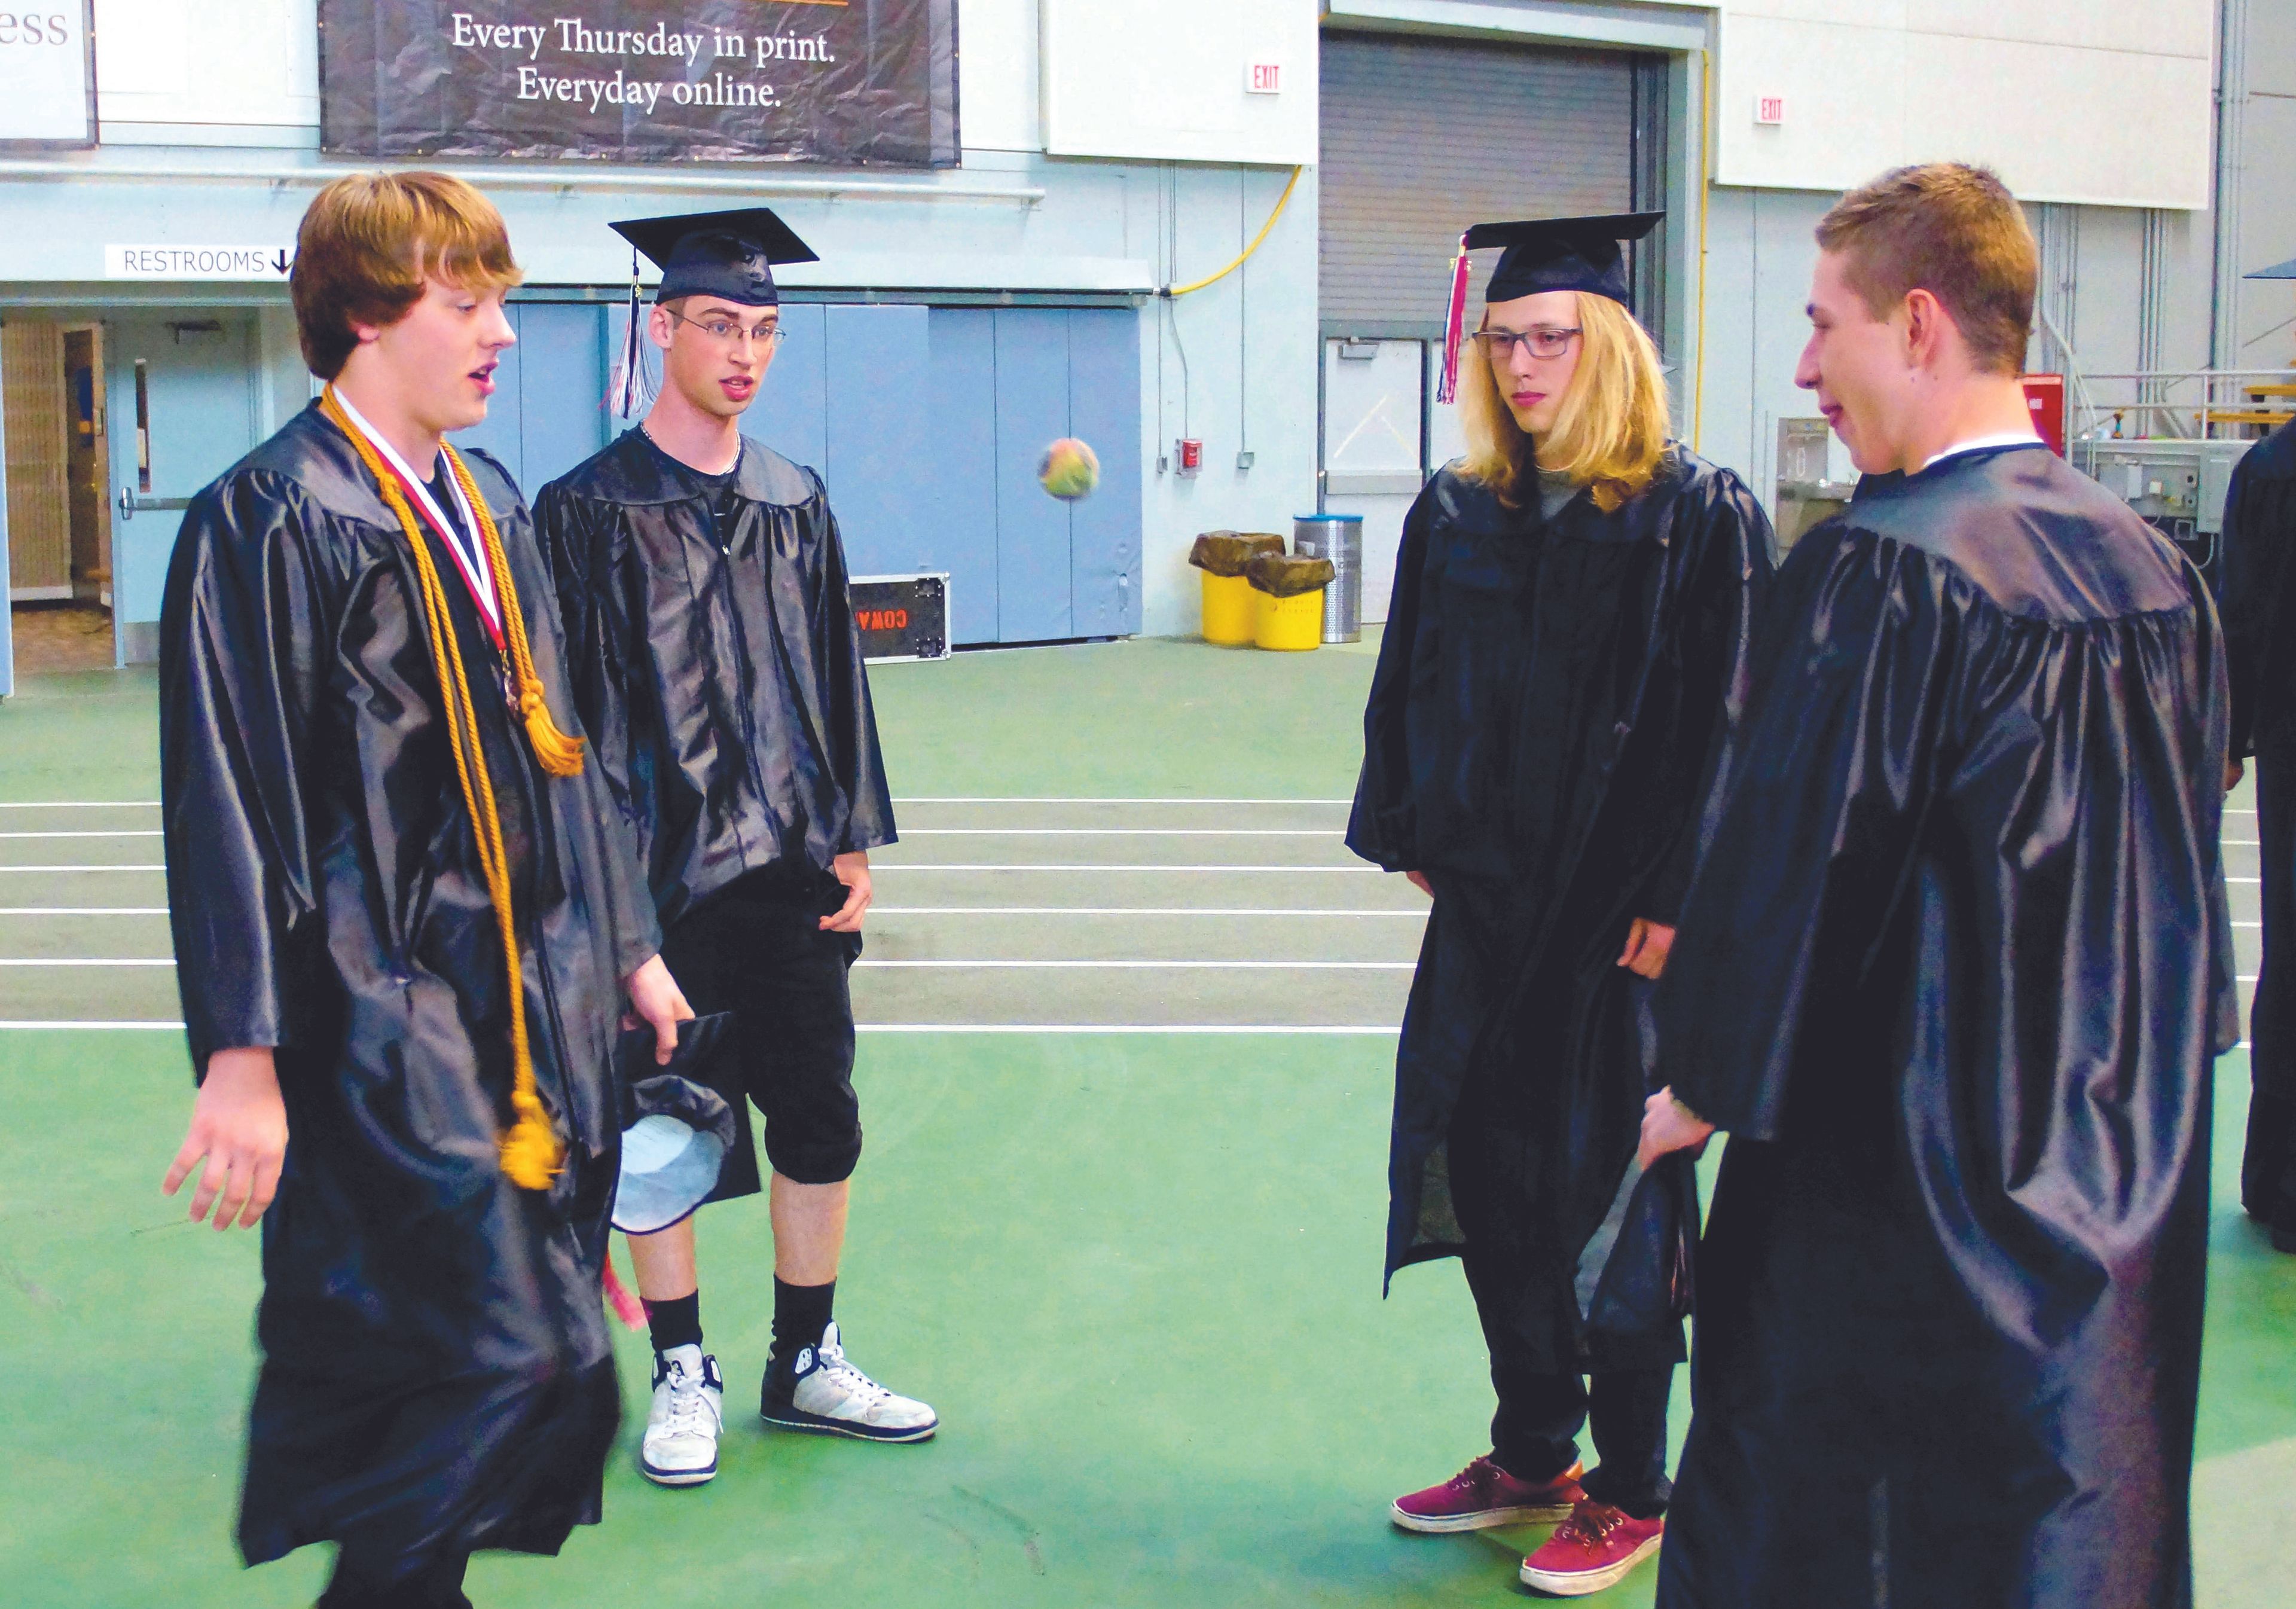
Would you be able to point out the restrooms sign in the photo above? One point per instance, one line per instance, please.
(843, 81)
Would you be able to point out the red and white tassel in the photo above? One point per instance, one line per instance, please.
(1455, 327)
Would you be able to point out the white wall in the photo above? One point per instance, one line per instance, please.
(2103, 101)
(216, 62)
(999, 88)
(1166, 81)
(2266, 177)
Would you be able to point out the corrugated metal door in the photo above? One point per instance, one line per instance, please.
(1423, 136)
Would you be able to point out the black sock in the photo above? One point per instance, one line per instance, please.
(677, 1322)
(801, 1315)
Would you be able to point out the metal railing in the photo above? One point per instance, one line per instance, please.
(2187, 404)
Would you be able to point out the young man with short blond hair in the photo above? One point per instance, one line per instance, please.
(1951, 973)
(402, 931)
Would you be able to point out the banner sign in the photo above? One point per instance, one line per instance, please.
(852, 82)
(48, 74)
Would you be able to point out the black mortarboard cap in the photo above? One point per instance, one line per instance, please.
(1561, 254)
(1542, 254)
(725, 254)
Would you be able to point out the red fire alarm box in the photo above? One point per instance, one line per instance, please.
(1189, 454)
(2045, 394)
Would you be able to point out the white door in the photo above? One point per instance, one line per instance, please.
(1374, 447)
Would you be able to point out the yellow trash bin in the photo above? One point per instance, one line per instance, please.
(1230, 616)
(1288, 596)
(1289, 624)
(1228, 609)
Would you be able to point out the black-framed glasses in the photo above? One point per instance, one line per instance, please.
(729, 335)
(1544, 341)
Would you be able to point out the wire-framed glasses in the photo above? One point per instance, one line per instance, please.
(726, 333)
(1544, 341)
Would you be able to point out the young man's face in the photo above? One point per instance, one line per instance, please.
(715, 353)
(1862, 368)
(441, 358)
(1531, 386)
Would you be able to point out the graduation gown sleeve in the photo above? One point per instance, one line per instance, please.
(855, 755)
(250, 610)
(2257, 590)
(1383, 826)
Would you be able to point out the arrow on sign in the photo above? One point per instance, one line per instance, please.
(281, 261)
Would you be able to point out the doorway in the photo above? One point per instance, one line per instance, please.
(59, 603)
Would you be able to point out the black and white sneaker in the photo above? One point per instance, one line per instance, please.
(681, 1435)
(819, 1392)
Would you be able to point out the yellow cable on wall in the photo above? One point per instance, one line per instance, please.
(1245, 255)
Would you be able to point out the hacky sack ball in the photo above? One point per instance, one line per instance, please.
(1070, 469)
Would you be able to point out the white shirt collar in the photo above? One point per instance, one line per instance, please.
(2024, 438)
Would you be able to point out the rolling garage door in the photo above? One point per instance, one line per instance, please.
(1421, 137)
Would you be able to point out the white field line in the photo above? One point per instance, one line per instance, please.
(1111, 910)
(94, 833)
(83, 868)
(868, 961)
(83, 910)
(79, 804)
(1034, 800)
(1089, 865)
(1371, 1031)
(909, 833)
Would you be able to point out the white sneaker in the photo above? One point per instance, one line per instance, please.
(680, 1434)
(827, 1396)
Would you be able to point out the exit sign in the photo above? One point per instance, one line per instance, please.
(1770, 110)
(1264, 79)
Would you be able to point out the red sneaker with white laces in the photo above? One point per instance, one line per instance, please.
(1592, 1549)
(1483, 1495)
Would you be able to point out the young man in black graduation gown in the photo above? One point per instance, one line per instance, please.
(1952, 975)
(2258, 593)
(717, 669)
(1563, 656)
(369, 762)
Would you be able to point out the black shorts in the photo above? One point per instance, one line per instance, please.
(756, 948)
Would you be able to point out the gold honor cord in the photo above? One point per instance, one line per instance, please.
(531, 1151)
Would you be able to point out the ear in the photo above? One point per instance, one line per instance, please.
(659, 326)
(364, 333)
(1930, 335)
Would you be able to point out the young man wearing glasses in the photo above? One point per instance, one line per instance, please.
(715, 665)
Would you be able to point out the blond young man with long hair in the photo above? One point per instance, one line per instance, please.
(1563, 663)
(1952, 975)
(402, 931)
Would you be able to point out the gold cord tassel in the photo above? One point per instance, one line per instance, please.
(532, 1151)
(559, 754)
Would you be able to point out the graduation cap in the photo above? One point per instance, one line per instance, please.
(2286, 270)
(1542, 254)
(676, 1129)
(729, 255)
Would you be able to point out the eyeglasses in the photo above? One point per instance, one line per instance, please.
(731, 335)
(1546, 341)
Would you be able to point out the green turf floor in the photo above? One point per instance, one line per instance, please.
(1137, 1274)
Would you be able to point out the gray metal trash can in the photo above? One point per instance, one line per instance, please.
(1338, 537)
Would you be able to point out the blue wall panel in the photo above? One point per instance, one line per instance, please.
(962, 506)
(789, 415)
(1105, 413)
(879, 439)
(1033, 563)
(562, 386)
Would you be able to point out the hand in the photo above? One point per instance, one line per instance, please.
(1648, 945)
(852, 871)
(239, 1124)
(1419, 881)
(655, 998)
(2234, 771)
(1669, 1126)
